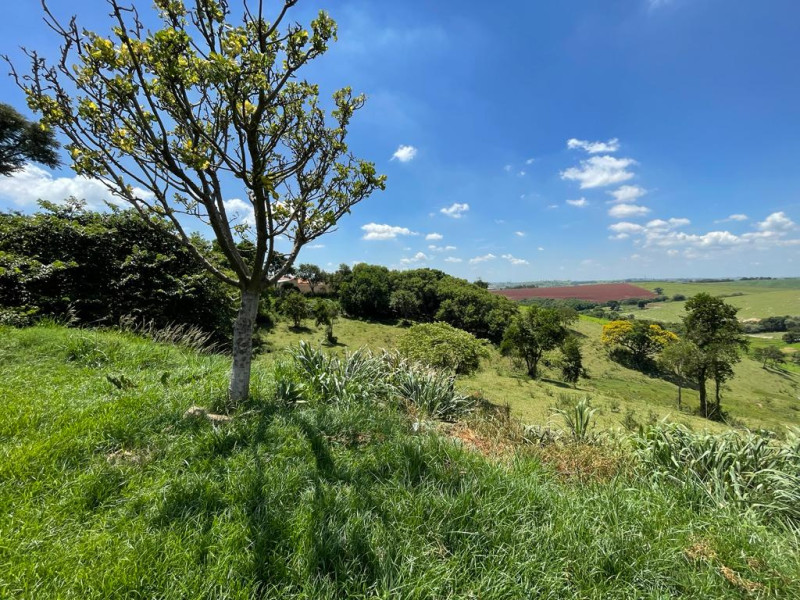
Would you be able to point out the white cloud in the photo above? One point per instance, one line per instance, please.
(315, 246)
(776, 222)
(404, 153)
(580, 202)
(611, 145)
(434, 237)
(540, 249)
(530, 161)
(507, 168)
(600, 171)
(521, 174)
(417, 258)
(627, 211)
(375, 231)
(434, 248)
(480, 259)
(239, 210)
(672, 223)
(515, 261)
(627, 194)
(519, 233)
(736, 217)
(552, 206)
(33, 183)
(455, 210)
(452, 259)
(626, 227)
(619, 236)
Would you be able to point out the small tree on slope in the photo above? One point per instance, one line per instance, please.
(179, 120)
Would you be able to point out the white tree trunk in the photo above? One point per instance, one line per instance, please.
(243, 347)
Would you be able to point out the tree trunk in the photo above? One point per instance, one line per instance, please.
(702, 388)
(717, 412)
(532, 364)
(680, 389)
(243, 347)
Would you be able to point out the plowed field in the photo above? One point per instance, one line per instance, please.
(602, 292)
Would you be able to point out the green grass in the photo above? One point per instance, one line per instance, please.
(759, 299)
(758, 398)
(108, 492)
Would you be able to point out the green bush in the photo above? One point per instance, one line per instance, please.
(443, 346)
(88, 267)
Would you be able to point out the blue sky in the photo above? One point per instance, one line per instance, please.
(545, 140)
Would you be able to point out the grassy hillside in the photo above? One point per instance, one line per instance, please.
(758, 397)
(758, 299)
(109, 491)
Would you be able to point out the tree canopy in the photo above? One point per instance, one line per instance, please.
(181, 118)
(22, 141)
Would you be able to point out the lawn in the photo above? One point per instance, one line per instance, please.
(109, 491)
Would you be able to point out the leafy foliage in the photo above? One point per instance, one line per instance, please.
(67, 262)
(295, 306)
(642, 339)
(22, 141)
(535, 331)
(442, 346)
(571, 360)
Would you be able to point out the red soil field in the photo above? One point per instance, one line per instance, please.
(602, 292)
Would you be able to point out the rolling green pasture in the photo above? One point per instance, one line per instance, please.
(757, 397)
(758, 299)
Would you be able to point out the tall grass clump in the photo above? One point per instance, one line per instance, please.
(578, 418)
(364, 377)
(742, 469)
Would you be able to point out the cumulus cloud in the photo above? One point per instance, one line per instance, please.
(507, 168)
(417, 258)
(434, 237)
(777, 222)
(480, 259)
(404, 153)
(611, 145)
(627, 211)
(376, 231)
(434, 248)
(600, 171)
(627, 194)
(315, 246)
(515, 261)
(519, 233)
(660, 233)
(530, 161)
(580, 202)
(33, 183)
(452, 259)
(455, 210)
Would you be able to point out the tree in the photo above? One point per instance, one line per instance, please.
(22, 141)
(658, 291)
(712, 326)
(572, 360)
(325, 313)
(176, 120)
(295, 306)
(791, 337)
(681, 359)
(532, 333)
(367, 292)
(642, 339)
(769, 355)
(312, 274)
(404, 304)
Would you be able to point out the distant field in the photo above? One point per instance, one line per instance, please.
(755, 299)
(602, 292)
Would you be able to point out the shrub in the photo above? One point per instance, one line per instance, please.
(442, 346)
(90, 267)
(295, 306)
